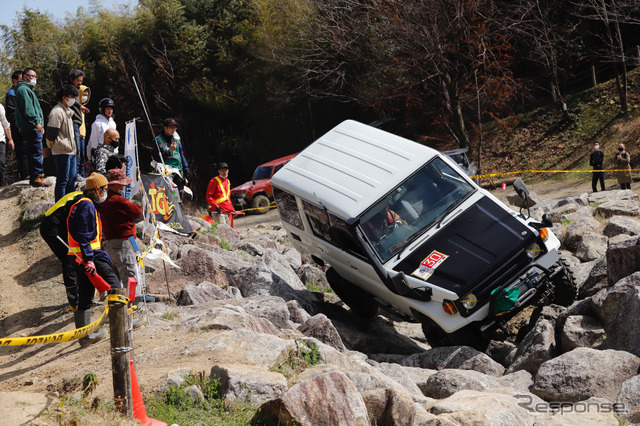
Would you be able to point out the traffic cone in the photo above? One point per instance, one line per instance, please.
(139, 412)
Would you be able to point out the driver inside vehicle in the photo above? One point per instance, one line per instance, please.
(383, 223)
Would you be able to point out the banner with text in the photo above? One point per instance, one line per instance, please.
(132, 159)
(164, 204)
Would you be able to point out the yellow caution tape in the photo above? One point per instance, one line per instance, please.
(66, 336)
(550, 171)
(256, 208)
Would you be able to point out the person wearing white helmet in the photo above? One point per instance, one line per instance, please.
(103, 121)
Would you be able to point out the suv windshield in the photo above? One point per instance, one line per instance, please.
(262, 173)
(414, 206)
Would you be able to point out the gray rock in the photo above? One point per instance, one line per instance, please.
(581, 331)
(227, 233)
(596, 280)
(499, 409)
(501, 351)
(297, 315)
(174, 378)
(36, 210)
(400, 374)
(232, 318)
(621, 225)
(623, 259)
(577, 229)
(618, 207)
(328, 399)
(194, 394)
(461, 357)
(248, 384)
(521, 380)
(311, 274)
(582, 212)
(557, 212)
(591, 246)
(449, 381)
(389, 407)
(249, 248)
(202, 293)
(618, 194)
(567, 201)
(320, 327)
(234, 292)
(616, 307)
(538, 346)
(583, 373)
(630, 394)
(273, 308)
(581, 273)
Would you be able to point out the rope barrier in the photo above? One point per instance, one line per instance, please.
(550, 171)
(66, 336)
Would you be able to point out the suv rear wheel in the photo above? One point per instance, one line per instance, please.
(360, 302)
(565, 289)
(261, 203)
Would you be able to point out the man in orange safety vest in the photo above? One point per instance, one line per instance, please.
(219, 196)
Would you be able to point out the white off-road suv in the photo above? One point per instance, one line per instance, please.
(402, 227)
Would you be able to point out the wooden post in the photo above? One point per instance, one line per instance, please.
(120, 354)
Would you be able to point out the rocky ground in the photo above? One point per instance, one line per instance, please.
(238, 307)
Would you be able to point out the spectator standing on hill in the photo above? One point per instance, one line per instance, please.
(101, 154)
(623, 165)
(5, 140)
(61, 141)
(168, 144)
(76, 78)
(596, 160)
(18, 141)
(218, 196)
(103, 121)
(30, 120)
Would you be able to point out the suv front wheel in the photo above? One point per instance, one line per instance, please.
(565, 289)
(360, 302)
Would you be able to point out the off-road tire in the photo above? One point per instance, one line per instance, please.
(359, 301)
(565, 289)
(261, 203)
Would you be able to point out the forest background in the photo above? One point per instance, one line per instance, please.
(253, 80)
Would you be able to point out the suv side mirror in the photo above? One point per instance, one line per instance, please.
(523, 192)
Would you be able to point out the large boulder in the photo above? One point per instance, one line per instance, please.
(596, 280)
(501, 351)
(584, 373)
(232, 318)
(581, 331)
(538, 346)
(327, 399)
(447, 382)
(202, 293)
(582, 212)
(618, 207)
(618, 194)
(461, 357)
(619, 225)
(320, 327)
(623, 259)
(616, 307)
(403, 375)
(630, 394)
(389, 406)
(273, 308)
(248, 384)
(577, 229)
(592, 246)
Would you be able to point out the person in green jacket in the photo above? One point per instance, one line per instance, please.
(167, 149)
(30, 121)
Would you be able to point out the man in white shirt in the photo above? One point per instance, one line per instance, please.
(4, 142)
(103, 121)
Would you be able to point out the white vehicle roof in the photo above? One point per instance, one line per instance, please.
(351, 167)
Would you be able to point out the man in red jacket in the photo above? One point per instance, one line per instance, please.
(118, 224)
(218, 196)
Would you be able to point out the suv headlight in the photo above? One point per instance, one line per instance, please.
(534, 251)
(469, 302)
(241, 195)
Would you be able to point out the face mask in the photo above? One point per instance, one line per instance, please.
(115, 144)
(620, 149)
(103, 198)
(85, 98)
(71, 102)
(596, 147)
(32, 82)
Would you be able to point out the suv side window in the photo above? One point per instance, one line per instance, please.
(331, 228)
(287, 207)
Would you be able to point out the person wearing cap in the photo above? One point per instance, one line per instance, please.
(76, 78)
(85, 245)
(167, 149)
(101, 153)
(61, 141)
(119, 216)
(218, 196)
(103, 121)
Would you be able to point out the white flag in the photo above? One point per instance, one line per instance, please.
(130, 147)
